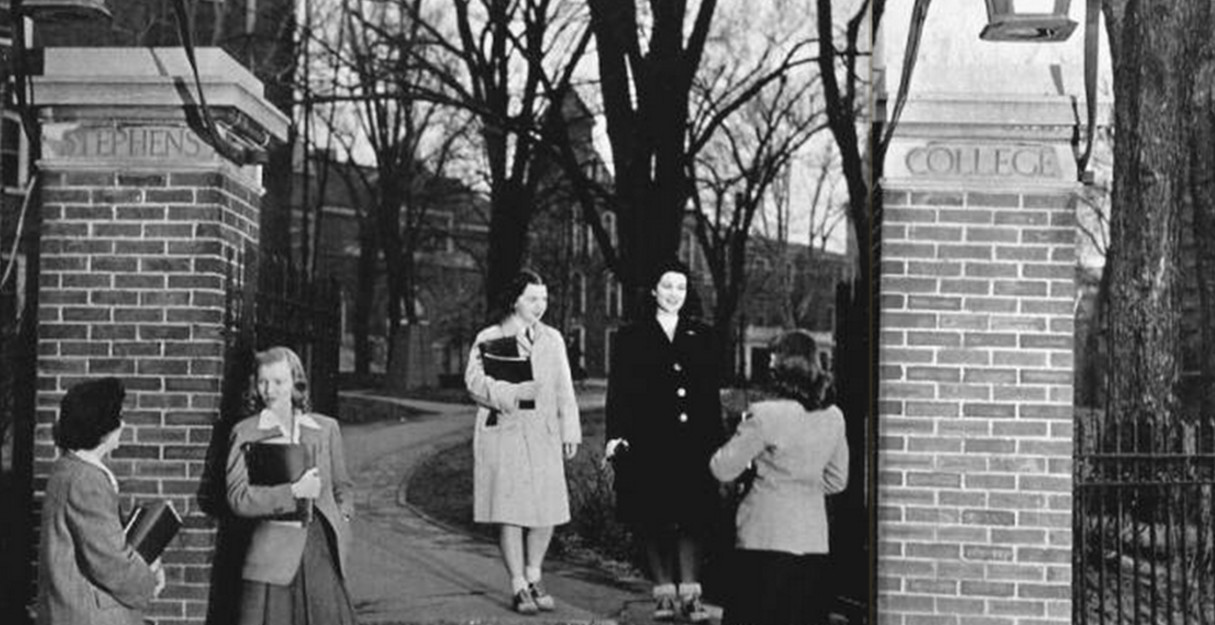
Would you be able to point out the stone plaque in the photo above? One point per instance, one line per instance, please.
(78, 141)
(960, 160)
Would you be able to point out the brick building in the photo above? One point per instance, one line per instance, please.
(791, 285)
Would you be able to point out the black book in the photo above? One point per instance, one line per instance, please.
(501, 360)
(273, 464)
(151, 527)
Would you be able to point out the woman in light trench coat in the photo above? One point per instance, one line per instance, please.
(524, 432)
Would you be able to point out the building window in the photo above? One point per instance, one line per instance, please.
(689, 250)
(613, 296)
(437, 236)
(609, 341)
(577, 236)
(577, 348)
(12, 151)
(608, 219)
(579, 295)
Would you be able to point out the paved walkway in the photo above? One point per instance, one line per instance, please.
(407, 568)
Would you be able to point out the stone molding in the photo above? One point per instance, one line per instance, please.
(141, 83)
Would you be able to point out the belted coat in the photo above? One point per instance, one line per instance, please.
(664, 399)
(518, 463)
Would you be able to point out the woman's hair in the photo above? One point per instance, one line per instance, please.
(504, 305)
(797, 374)
(691, 305)
(88, 412)
(300, 399)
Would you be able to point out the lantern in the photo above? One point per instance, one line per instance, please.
(1027, 20)
(61, 10)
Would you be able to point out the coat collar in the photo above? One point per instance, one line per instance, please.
(540, 334)
(267, 421)
(94, 461)
(683, 327)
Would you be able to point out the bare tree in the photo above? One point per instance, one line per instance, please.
(737, 168)
(648, 58)
(371, 106)
(507, 63)
(822, 219)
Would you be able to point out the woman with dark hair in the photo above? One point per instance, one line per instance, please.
(87, 573)
(663, 423)
(295, 567)
(524, 430)
(796, 444)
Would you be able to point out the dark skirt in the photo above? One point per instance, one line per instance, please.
(316, 596)
(777, 588)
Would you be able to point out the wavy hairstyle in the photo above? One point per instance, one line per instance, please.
(648, 304)
(504, 304)
(300, 393)
(797, 373)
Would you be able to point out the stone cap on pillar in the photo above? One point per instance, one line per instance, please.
(155, 86)
(985, 141)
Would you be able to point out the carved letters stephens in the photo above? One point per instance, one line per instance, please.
(127, 142)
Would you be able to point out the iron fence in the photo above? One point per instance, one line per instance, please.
(292, 309)
(1144, 540)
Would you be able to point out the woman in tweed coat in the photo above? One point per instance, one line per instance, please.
(797, 446)
(87, 573)
(294, 571)
(523, 433)
(663, 422)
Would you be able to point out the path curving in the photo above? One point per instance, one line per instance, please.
(406, 568)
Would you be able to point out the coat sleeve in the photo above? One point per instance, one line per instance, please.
(835, 473)
(716, 429)
(343, 486)
(102, 551)
(617, 411)
(567, 401)
(486, 391)
(732, 459)
(251, 501)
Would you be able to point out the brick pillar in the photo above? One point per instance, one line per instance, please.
(975, 418)
(141, 222)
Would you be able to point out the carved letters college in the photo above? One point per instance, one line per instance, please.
(983, 161)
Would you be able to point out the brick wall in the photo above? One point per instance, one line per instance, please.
(133, 283)
(975, 408)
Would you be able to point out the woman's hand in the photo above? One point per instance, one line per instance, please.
(526, 391)
(158, 570)
(570, 449)
(613, 446)
(308, 486)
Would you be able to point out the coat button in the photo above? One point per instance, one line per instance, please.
(681, 392)
(683, 417)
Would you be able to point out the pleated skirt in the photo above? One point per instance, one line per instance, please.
(777, 588)
(316, 596)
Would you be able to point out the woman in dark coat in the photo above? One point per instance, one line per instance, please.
(663, 424)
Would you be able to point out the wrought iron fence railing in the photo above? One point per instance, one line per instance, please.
(1144, 540)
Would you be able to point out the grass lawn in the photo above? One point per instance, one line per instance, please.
(442, 488)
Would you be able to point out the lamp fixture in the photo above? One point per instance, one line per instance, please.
(1027, 20)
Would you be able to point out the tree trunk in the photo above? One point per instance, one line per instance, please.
(1153, 63)
(1202, 199)
(647, 133)
(363, 297)
(510, 214)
